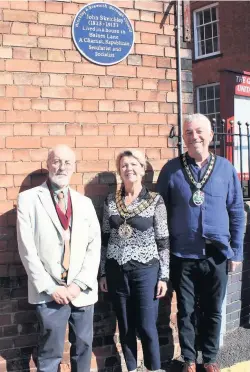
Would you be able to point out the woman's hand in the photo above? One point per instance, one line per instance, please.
(161, 289)
(103, 284)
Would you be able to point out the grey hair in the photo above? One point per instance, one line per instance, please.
(197, 117)
(138, 155)
(65, 147)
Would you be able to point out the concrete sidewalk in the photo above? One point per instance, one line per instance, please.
(239, 367)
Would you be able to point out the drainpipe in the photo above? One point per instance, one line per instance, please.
(179, 79)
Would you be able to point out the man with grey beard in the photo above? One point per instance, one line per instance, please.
(59, 244)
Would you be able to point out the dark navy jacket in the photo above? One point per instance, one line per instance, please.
(219, 219)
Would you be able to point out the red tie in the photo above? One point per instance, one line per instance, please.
(66, 256)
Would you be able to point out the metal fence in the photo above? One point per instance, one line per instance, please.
(233, 142)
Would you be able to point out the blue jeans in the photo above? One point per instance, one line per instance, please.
(204, 280)
(133, 296)
(53, 319)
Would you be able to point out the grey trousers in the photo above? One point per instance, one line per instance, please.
(53, 319)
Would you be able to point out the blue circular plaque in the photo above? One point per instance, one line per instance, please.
(103, 33)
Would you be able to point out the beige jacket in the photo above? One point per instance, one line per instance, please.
(40, 244)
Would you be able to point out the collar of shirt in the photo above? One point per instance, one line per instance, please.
(192, 161)
(56, 191)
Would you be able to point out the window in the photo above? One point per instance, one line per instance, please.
(208, 101)
(206, 31)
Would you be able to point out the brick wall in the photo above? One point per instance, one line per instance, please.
(234, 28)
(49, 94)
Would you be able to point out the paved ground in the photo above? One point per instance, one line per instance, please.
(234, 356)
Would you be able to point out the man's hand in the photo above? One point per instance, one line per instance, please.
(60, 295)
(103, 284)
(232, 265)
(161, 289)
(73, 291)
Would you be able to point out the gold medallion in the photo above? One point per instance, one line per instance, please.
(125, 231)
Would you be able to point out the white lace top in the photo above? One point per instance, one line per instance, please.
(149, 241)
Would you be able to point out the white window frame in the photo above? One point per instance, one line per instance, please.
(198, 100)
(215, 5)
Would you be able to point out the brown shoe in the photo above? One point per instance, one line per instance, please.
(189, 367)
(211, 367)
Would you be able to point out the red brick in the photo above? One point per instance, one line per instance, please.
(94, 166)
(21, 53)
(91, 141)
(74, 80)
(135, 83)
(153, 153)
(120, 83)
(164, 130)
(22, 129)
(56, 104)
(56, 140)
(12, 193)
(23, 5)
(22, 40)
(151, 50)
(6, 155)
(151, 130)
(89, 93)
(74, 105)
(90, 130)
(122, 106)
(151, 107)
(117, 70)
(57, 80)
(21, 155)
(6, 181)
(56, 55)
(163, 40)
(37, 5)
(150, 27)
(5, 52)
(106, 154)
(2, 168)
(164, 62)
(2, 90)
(90, 105)
(22, 167)
(40, 104)
(122, 141)
(72, 56)
(167, 153)
(20, 16)
(166, 108)
(90, 81)
(145, 72)
(147, 16)
(57, 130)
(146, 5)
(73, 129)
(40, 54)
(121, 130)
(105, 105)
(23, 142)
(136, 130)
(89, 69)
(22, 116)
(57, 117)
(106, 130)
(122, 118)
(53, 7)
(121, 94)
(150, 84)
(91, 117)
(40, 130)
(106, 82)
(146, 39)
(151, 96)
(6, 130)
(19, 28)
(89, 154)
(70, 8)
(171, 74)
(5, 27)
(67, 32)
(172, 97)
(137, 106)
(57, 67)
(169, 30)
(2, 116)
(133, 14)
(5, 103)
(152, 142)
(22, 65)
(54, 43)
(145, 118)
(54, 92)
(52, 19)
(36, 30)
(3, 195)
(129, 4)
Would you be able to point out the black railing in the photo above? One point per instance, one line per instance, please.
(233, 142)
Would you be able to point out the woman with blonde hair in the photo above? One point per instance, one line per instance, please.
(135, 259)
